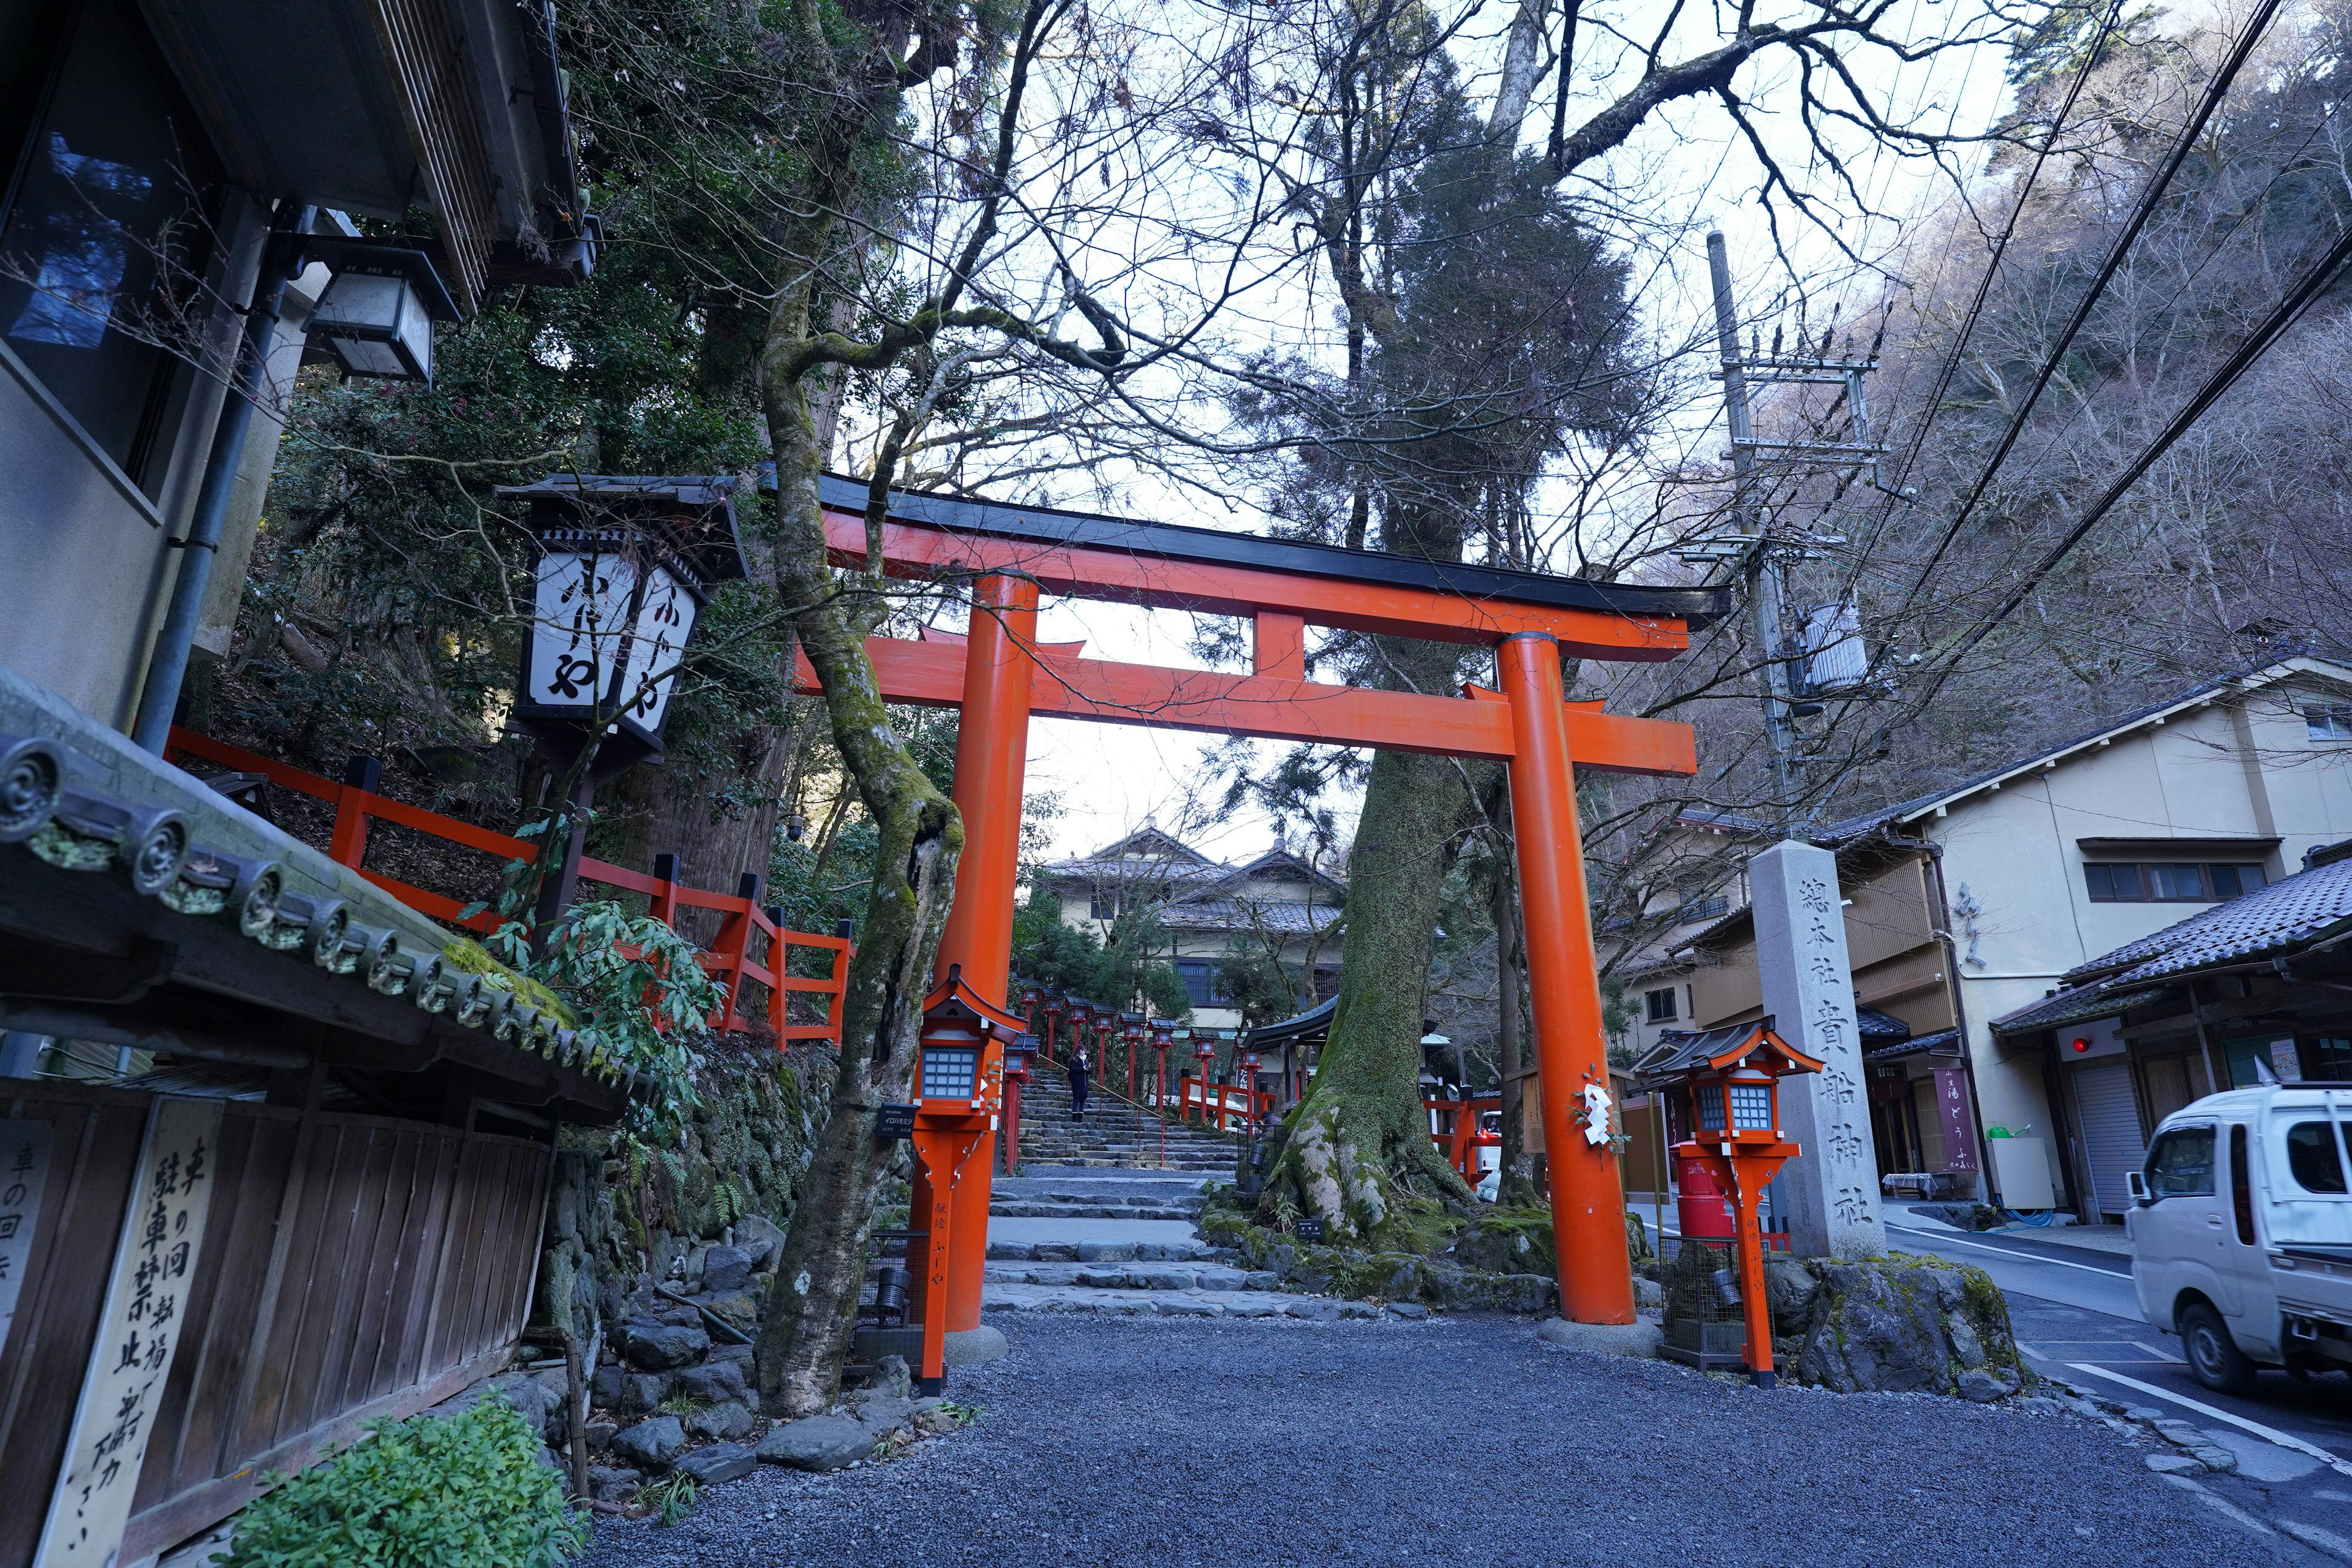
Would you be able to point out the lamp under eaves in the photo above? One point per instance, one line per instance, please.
(376, 316)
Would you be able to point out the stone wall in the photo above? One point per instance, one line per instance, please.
(623, 1216)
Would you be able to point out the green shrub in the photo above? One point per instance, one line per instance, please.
(464, 1492)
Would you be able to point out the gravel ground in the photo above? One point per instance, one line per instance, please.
(1177, 1442)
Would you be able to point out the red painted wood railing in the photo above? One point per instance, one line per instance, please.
(1453, 1126)
(730, 961)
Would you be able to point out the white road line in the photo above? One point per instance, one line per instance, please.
(2269, 1433)
(2029, 1350)
(1942, 1240)
(2159, 1351)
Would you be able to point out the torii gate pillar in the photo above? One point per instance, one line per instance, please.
(1588, 1203)
(992, 757)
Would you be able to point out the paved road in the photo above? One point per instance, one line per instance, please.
(2076, 1319)
(1165, 1443)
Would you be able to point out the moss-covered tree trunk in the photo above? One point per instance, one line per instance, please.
(1361, 1129)
(810, 1308)
(813, 1303)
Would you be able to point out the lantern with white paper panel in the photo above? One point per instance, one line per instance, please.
(624, 565)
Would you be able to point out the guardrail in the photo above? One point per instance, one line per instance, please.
(752, 946)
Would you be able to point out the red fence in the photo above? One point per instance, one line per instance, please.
(731, 962)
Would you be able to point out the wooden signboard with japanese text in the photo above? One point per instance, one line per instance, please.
(24, 1177)
(145, 1305)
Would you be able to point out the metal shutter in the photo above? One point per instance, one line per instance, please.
(2111, 1136)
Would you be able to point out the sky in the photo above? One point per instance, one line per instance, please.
(1112, 779)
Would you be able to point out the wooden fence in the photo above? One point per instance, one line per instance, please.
(352, 1267)
(750, 950)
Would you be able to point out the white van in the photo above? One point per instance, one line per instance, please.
(2240, 1228)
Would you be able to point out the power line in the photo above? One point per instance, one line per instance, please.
(1952, 364)
(2257, 343)
(2149, 196)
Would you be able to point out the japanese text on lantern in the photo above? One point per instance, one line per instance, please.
(147, 1299)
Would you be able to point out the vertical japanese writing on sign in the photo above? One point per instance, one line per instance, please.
(583, 610)
(1952, 1110)
(24, 1174)
(138, 1331)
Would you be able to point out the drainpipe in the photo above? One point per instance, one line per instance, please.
(167, 667)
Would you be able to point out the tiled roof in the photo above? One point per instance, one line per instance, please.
(1943, 1042)
(2072, 1005)
(2236, 681)
(1114, 871)
(2292, 913)
(1233, 914)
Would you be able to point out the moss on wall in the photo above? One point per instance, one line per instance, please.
(620, 1209)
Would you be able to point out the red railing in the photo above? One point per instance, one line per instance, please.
(741, 920)
(1453, 1126)
(1229, 1104)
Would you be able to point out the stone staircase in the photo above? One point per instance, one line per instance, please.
(1112, 1132)
(1101, 1219)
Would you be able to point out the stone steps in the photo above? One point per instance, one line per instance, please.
(1021, 1210)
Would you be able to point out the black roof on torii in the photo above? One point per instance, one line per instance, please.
(1175, 541)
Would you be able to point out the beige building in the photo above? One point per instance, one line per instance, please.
(1971, 903)
(1206, 910)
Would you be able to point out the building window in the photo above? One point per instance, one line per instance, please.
(1659, 1006)
(2328, 1060)
(1200, 978)
(105, 233)
(2170, 882)
(1105, 906)
(2329, 722)
(1712, 909)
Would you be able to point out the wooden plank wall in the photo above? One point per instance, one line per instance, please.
(354, 1267)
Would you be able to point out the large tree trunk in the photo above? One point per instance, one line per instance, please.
(810, 1308)
(1361, 1129)
(1515, 1018)
(812, 1304)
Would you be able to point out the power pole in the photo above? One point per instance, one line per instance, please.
(1768, 580)
(1755, 551)
(1829, 1194)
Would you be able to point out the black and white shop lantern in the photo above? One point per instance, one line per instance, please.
(376, 316)
(625, 567)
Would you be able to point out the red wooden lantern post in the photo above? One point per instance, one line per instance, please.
(1164, 1035)
(1731, 1078)
(1017, 1079)
(959, 1086)
(1204, 1051)
(1132, 1033)
(1056, 1005)
(1248, 1063)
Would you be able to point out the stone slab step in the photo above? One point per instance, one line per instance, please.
(1183, 1275)
(1025, 1210)
(1102, 1251)
(996, 1297)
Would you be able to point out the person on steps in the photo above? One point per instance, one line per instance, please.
(1078, 1083)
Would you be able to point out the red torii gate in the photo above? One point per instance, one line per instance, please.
(1000, 675)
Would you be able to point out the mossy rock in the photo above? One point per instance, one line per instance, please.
(1508, 1241)
(1909, 1324)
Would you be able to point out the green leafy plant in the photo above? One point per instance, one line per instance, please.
(670, 1498)
(467, 1492)
(640, 991)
